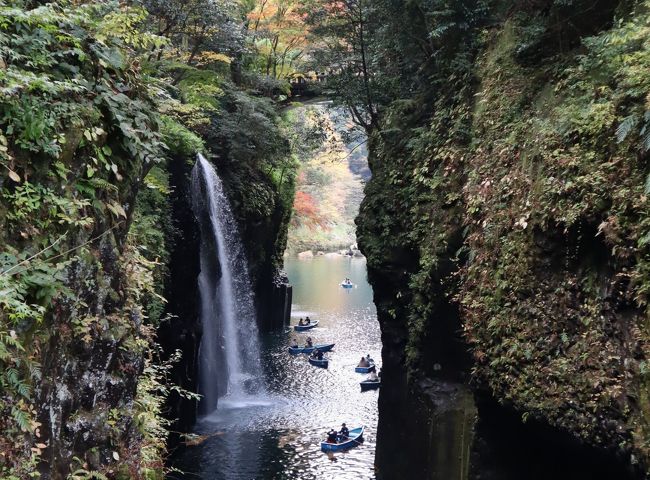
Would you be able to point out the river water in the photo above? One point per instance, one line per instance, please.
(276, 435)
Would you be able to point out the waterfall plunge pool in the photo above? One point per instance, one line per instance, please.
(276, 434)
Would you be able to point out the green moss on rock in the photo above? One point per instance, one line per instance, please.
(519, 197)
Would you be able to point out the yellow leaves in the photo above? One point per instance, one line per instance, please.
(140, 275)
(36, 428)
(93, 134)
(123, 25)
(278, 25)
(4, 152)
(38, 448)
(209, 57)
(192, 440)
(522, 222)
(83, 328)
(14, 176)
(116, 209)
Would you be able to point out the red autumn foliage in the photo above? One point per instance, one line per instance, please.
(306, 212)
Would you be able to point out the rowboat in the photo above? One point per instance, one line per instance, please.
(319, 363)
(302, 328)
(365, 369)
(370, 385)
(355, 438)
(347, 285)
(322, 348)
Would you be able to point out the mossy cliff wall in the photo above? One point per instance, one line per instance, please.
(78, 285)
(96, 226)
(508, 214)
(263, 209)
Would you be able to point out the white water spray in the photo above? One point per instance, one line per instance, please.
(229, 352)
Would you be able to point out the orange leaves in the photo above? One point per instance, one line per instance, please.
(306, 211)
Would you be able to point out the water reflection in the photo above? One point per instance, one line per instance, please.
(277, 435)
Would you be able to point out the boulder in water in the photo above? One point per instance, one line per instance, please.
(306, 255)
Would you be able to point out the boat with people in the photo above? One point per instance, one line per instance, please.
(303, 328)
(347, 284)
(370, 385)
(322, 363)
(368, 369)
(354, 438)
(323, 348)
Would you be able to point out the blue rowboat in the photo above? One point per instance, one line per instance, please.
(322, 348)
(302, 328)
(365, 369)
(347, 285)
(319, 363)
(355, 438)
(370, 385)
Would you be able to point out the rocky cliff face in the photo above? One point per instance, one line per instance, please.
(182, 331)
(96, 228)
(505, 217)
(78, 295)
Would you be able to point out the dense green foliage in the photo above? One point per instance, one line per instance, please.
(78, 131)
(509, 144)
(96, 100)
(578, 216)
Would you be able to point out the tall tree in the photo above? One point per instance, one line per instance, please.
(341, 33)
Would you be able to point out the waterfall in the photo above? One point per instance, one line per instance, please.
(229, 351)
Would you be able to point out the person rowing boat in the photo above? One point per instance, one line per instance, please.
(343, 440)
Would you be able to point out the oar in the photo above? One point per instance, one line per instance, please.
(351, 440)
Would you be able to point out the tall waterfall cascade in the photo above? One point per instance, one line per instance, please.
(229, 351)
